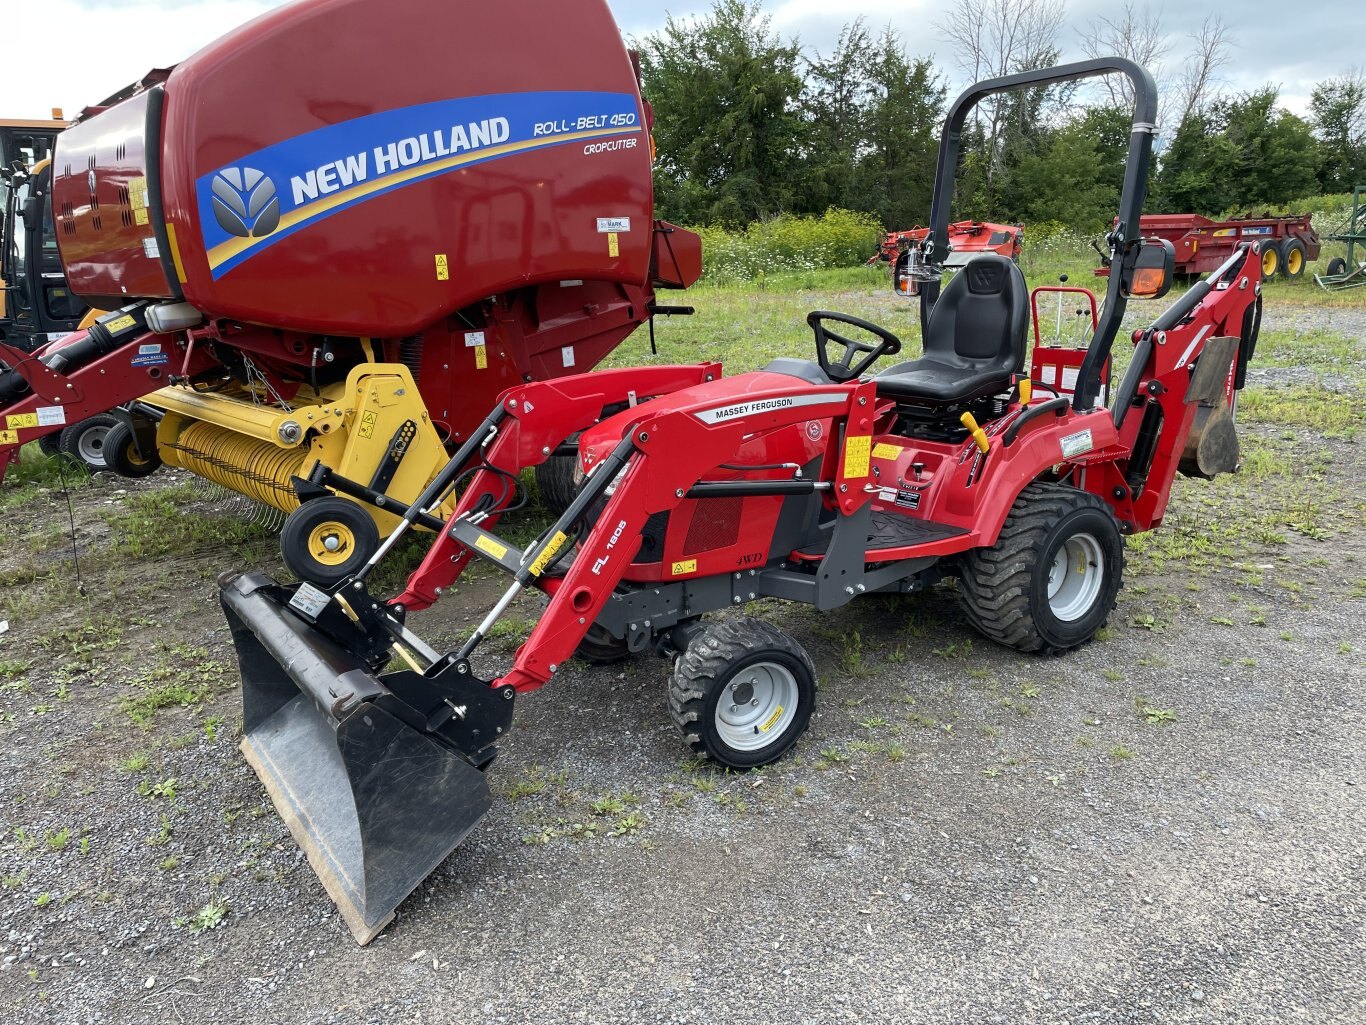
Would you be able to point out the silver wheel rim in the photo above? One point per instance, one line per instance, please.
(1075, 576)
(755, 706)
(90, 444)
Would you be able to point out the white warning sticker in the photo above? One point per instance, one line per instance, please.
(1076, 444)
(612, 224)
(309, 600)
(473, 339)
(50, 416)
(567, 355)
(149, 248)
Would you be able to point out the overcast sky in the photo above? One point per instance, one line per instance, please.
(70, 53)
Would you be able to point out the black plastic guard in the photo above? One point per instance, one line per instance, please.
(370, 787)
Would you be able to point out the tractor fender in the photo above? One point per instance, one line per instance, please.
(984, 485)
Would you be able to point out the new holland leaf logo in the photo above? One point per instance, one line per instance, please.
(245, 203)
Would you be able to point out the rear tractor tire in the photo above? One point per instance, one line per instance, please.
(1293, 258)
(122, 456)
(742, 693)
(85, 440)
(1050, 581)
(555, 480)
(326, 540)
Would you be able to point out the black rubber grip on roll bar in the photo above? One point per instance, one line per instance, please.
(1058, 406)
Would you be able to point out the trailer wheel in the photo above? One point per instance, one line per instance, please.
(326, 540)
(1337, 265)
(555, 481)
(50, 444)
(742, 693)
(85, 440)
(1271, 259)
(122, 456)
(1050, 581)
(1293, 258)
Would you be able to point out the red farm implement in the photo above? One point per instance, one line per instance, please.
(967, 239)
(320, 281)
(1202, 244)
(813, 481)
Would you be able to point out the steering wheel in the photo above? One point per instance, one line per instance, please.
(846, 369)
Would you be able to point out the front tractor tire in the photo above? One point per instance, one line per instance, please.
(742, 693)
(326, 540)
(1050, 581)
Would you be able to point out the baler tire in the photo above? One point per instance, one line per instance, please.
(51, 444)
(305, 534)
(705, 674)
(555, 481)
(1337, 265)
(84, 441)
(600, 648)
(1293, 258)
(122, 456)
(1005, 589)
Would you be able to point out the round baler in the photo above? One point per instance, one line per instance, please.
(321, 277)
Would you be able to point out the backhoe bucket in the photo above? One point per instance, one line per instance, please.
(375, 800)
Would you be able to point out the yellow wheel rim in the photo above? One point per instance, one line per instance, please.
(1294, 260)
(131, 454)
(1270, 261)
(331, 543)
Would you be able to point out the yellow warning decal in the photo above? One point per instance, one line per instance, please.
(21, 420)
(885, 451)
(768, 723)
(857, 450)
(119, 323)
(367, 423)
(679, 568)
(443, 269)
(140, 216)
(548, 553)
(491, 547)
(612, 248)
(9, 437)
(481, 357)
(137, 193)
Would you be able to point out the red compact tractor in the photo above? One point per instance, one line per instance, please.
(816, 481)
(320, 280)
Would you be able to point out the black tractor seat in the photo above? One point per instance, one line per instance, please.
(974, 342)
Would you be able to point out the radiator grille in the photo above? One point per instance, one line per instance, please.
(715, 524)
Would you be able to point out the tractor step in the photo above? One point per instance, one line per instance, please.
(889, 531)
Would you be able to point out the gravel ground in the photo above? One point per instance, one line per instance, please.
(1164, 826)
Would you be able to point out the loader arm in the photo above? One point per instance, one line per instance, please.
(539, 417)
(671, 451)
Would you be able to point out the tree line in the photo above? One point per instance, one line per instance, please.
(750, 125)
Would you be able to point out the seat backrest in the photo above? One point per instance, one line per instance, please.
(982, 315)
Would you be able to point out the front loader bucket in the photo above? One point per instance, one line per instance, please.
(375, 802)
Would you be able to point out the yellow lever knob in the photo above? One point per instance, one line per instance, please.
(978, 435)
